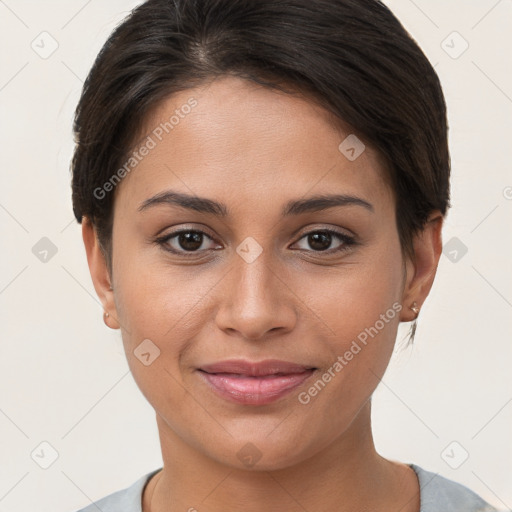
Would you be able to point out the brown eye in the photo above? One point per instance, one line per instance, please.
(190, 241)
(184, 241)
(321, 240)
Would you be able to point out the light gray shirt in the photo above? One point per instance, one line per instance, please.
(437, 494)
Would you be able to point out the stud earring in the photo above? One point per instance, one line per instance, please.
(106, 314)
(415, 308)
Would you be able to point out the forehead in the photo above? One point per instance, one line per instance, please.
(232, 137)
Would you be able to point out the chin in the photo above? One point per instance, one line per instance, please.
(262, 452)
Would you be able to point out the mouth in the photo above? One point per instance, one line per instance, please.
(257, 383)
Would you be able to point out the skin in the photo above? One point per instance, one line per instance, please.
(254, 149)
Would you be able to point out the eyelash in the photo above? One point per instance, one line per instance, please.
(347, 240)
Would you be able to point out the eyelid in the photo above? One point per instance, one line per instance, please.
(184, 227)
(326, 228)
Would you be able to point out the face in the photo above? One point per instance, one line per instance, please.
(312, 290)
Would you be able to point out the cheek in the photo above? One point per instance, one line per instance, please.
(354, 297)
(153, 297)
(159, 315)
(360, 310)
(160, 304)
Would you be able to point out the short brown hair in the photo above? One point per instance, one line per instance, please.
(352, 56)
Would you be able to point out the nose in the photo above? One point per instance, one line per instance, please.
(256, 301)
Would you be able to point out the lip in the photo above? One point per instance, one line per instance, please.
(254, 383)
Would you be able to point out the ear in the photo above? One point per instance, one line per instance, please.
(421, 270)
(99, 273)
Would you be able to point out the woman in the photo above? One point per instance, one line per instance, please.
(262, 186)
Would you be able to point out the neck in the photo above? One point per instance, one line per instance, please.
(346, 475)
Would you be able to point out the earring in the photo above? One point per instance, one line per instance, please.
(106, 314)
(415, 308)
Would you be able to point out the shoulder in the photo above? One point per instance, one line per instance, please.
(125, 500)
(439, 493)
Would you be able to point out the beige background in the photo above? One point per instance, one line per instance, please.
(64, 379)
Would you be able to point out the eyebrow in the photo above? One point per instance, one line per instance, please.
(295, 207)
